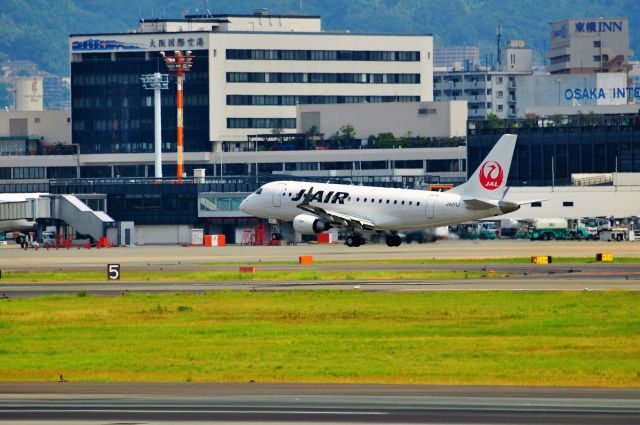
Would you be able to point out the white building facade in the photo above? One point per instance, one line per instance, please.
(261, 66)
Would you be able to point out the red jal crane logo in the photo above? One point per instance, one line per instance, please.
(491, 175)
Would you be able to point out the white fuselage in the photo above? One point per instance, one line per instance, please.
(389, 209)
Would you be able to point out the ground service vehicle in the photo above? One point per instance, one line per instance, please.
(556, 228)
(476, 230)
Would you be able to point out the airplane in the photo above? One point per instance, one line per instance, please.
(317, 207)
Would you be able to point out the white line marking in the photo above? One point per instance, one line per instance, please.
(290, 412)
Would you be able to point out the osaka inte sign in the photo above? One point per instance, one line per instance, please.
(630, 93)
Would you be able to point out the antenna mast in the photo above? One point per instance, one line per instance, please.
(498, 37)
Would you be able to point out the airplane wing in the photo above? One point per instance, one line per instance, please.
(337, 219)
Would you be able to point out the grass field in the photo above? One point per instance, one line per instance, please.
(546, 338)
(275, 275)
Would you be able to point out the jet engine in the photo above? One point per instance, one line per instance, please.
(308, 224)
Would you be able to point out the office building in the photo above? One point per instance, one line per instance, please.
(487, 91)
(579, 46)
(249, 74)
(466, 58)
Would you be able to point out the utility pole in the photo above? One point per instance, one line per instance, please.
(156, 82)
(180, 64)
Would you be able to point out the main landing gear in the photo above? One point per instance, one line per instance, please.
(354, 240)
(393, 240)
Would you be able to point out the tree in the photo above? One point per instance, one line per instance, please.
(313, 130)
(277, 131)
(494, 120)
(386, 140)
(347, 133)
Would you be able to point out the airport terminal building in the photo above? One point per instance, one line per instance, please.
(249, 75)
(269, 97)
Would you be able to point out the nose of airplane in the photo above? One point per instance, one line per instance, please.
(243, 205)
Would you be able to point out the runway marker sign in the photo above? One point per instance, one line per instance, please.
(113, 271)
(541, 260)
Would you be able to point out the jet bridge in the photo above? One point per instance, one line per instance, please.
(66, 208)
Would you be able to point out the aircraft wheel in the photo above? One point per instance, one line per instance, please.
(350, 241)
(393, 240)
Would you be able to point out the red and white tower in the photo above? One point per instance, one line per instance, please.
(180, 64)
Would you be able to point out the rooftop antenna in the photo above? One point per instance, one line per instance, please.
(498, 37)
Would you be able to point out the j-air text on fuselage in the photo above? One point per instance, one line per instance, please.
(317, 207)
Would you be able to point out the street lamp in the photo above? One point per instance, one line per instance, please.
(156, 82)
(180, 63)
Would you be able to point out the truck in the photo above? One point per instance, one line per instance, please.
(476, 230)
(595, 225)
(509, 227)
(541, 229)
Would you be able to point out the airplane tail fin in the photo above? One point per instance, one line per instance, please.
(489, 181)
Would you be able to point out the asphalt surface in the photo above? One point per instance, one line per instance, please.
(520, 277)
(12, 258)
(312, 403)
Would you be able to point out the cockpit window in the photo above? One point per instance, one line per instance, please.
(258, 192)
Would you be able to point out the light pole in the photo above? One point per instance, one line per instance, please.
(180, 64)
(558, 81)
(156, 82)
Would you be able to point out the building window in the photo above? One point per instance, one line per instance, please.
(597, 43)
(536, 204)
(499, 94)
(567, 204)
(499, 80)
(321, 78)
(499, 108)
(560, 59)
(442, 165)
(324, 55)
(261, 123)
(275, 100)
(36, 120)
(596, 58)
(28, 173)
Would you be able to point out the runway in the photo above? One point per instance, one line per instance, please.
(312, 403)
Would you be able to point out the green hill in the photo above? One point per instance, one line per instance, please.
(37, 30)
